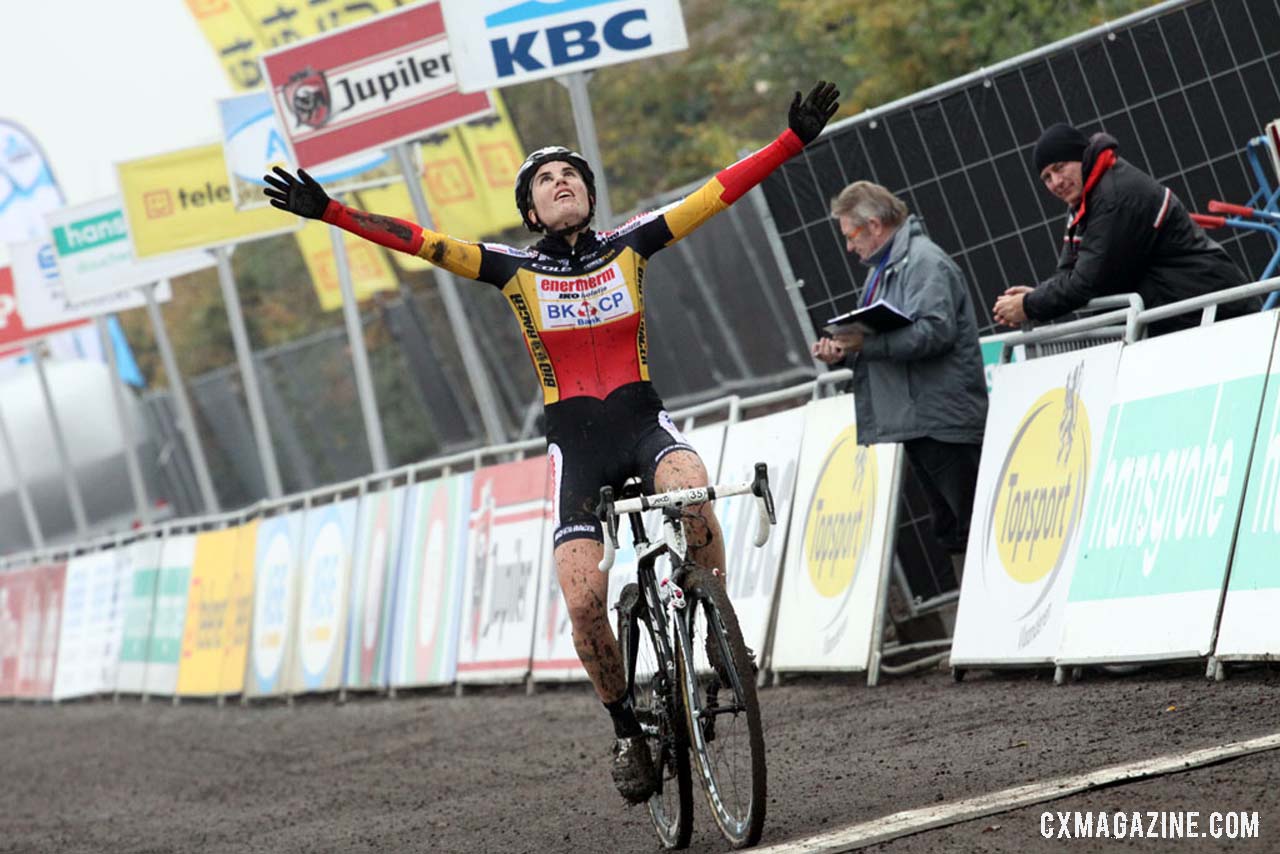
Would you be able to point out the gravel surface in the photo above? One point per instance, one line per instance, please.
(496, 770)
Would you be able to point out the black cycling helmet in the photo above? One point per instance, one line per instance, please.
(524, 180)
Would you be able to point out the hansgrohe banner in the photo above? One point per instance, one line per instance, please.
(1249, 627)
(1161, 511)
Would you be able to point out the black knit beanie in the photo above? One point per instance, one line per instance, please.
(1059, 143)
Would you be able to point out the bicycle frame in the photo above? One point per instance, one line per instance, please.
(668, 593)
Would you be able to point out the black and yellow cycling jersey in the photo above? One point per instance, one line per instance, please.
(580, 307)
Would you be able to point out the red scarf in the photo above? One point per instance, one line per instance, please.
(1105, 161)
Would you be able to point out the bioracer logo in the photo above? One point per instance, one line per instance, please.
(1039, 497)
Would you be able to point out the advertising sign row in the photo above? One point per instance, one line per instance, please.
(450, 580)
(1124, 504)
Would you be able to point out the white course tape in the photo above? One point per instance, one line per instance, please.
(915, 821)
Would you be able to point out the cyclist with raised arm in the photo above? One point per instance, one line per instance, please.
(579, 298)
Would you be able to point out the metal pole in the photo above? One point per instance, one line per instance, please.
(585, 124)
(758, 201)
(60, 444)
(181, 402)
(252, 394)
(20, 484)
(359, 356)
(476, 373)
(127, 436)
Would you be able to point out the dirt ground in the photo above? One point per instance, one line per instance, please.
(499, 771)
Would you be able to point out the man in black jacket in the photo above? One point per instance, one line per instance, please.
(1125, 233)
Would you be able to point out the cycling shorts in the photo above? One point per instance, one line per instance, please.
(593, 443)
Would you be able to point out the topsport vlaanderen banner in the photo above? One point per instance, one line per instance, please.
(1249, 628)
(1161, 512)
(182, 200)
(1043, 434)
(838, 540)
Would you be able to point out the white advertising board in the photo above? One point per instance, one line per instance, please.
(324, 578)
(497, 43)
(93, 614)
(431, 572)
(1161, 511)
(1249, 628)
(372, 586)
(42, 297)
(169, 614)
(1044, 432)
(839, 538)
(506, 556)
(139, 602)
(94, 254)
(277, 555)
(751, 576)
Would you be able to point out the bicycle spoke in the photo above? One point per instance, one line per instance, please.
(721, 711)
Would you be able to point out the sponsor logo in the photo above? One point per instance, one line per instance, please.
(571, 303)
(579, 286)
(307, 96)
(159, 204)
(527, 50)
(90, 233)
(1039, 496)
(202, 9)
(841, 515)
(538, 350)
(323, 99)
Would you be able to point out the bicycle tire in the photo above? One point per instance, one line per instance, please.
(671, 808)
(736, 790)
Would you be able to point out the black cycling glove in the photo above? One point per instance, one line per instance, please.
(300, 195)
(807, 118)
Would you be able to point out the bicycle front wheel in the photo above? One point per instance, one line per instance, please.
(657, 705)
(717, 680)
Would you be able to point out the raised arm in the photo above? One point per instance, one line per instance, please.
(805, 120)
(303, 195)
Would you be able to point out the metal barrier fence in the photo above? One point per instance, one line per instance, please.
(1183, 86)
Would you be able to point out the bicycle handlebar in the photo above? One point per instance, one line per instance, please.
(1233, 210)
(608, 510)
(1206, 221)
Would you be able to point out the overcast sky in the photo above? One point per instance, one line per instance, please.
(96, 82)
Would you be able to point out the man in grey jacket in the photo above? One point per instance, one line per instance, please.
(922, 385)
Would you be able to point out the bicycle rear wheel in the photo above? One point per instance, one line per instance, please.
(721, 709)
(657, 705)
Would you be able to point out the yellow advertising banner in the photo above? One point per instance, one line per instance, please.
(208, 603)
(237, 627)
(370, 271)
(468, 176)
(233, 38)
(496, 156)
(280, 22)
(182, 200)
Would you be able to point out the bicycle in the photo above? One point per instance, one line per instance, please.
(682, 647)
